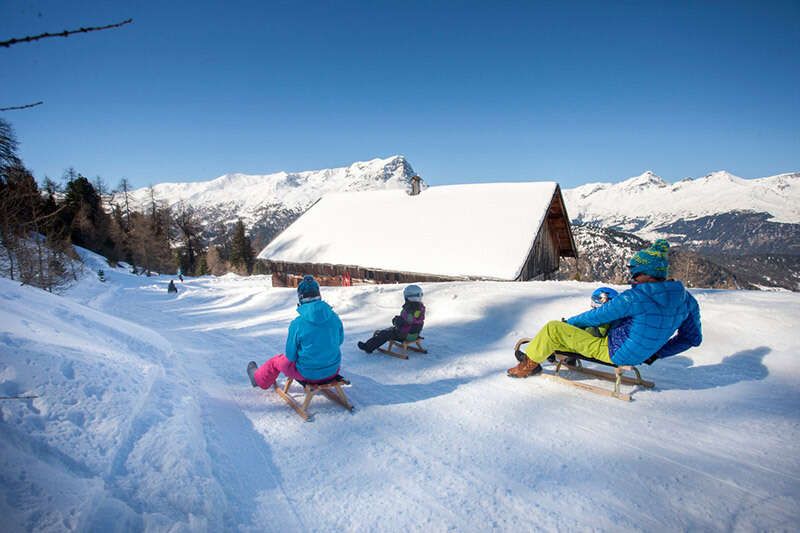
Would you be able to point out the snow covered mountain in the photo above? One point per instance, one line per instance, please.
(731, 232)
(650, 207)
(268, 203)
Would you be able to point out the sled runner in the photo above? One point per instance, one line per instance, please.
(331, 388)
(400, 349)
(572, 361)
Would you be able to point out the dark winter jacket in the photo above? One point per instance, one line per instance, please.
(314, 339)
(643, 320)
(410, 321)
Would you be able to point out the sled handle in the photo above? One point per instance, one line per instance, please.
(523, 340)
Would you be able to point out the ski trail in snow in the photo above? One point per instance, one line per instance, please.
(250, 464)
(207, 346)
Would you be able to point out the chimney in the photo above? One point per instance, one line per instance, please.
(415, 185)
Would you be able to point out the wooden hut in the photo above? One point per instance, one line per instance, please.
(490, 231)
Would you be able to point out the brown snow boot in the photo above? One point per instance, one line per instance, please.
(525, 369)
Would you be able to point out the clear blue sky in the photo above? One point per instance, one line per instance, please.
(468, 91)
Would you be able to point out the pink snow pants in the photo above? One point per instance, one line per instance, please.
(268, 372)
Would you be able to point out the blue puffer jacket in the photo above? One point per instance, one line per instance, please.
(643, 320)
(314, 340)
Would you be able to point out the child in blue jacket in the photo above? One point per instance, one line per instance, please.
(312, 345)
(644, 320)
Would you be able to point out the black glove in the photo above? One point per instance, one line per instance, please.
(650, 360)
(397, 321)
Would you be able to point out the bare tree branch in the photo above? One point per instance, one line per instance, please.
(20, 106)
(65, 33)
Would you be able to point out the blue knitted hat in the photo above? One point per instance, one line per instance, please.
(308, 289)
(652, 261)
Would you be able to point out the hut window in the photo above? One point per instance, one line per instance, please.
(370, 274)
(397, 277)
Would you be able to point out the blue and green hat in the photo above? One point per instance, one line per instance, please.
(653, 261)
(308, 289)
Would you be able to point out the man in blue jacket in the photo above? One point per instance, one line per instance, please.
(312, 345)
(643, 321)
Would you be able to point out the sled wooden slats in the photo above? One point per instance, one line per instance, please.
(627, 380)
(591, 388)
(291, 401)
(332, 390)
(393, 354)
(400, 349)
(339, 397)
(617, 376)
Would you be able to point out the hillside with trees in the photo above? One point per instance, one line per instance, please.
(39, 225)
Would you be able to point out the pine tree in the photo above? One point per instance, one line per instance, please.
(201, 269)
(123, 190)
(33, 252)
(8, 146)
(83, 212)
(190, 230)
(215, 264)
(241, 250)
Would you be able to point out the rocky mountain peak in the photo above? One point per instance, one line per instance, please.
(646, 180)
(722, 176)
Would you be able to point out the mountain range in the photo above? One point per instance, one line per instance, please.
(727, 231)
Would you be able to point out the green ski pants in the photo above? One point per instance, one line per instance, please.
(560, 336)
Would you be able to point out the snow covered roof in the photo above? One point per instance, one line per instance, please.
(483, 230)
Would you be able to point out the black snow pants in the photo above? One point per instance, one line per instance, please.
(382, 336)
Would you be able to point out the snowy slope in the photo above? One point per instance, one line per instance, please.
(145, 420)
(643, 203)
(247, 196)
(451, 230)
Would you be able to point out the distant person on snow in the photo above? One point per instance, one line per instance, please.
(642, 321)
(172, 288)
(405, 326)
(312, 346)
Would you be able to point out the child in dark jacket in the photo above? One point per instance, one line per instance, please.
(405, 326)
(312, 345)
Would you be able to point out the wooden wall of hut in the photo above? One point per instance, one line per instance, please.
(544, 256)
(290, 274)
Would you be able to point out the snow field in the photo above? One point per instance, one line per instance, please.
(146, 421)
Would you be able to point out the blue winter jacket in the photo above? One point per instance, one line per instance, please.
(314, 340)
(643, 320)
